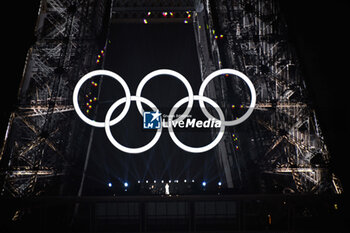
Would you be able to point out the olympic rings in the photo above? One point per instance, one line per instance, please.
(138, 99)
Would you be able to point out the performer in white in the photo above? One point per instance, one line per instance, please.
(167, 189)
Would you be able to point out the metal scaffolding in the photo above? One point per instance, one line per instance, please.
(37, 143)
(283, 139)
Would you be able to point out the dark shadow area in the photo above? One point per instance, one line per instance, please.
(316, 30)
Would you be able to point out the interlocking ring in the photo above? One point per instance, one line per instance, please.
(138, 99)
(100, 73)
(172, 74)
(196, 149)
(245, 79)
(112, 139)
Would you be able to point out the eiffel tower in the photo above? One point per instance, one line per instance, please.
(280, 149)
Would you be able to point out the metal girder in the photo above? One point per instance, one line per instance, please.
(153, 3)
(209, 60)
(37, 110)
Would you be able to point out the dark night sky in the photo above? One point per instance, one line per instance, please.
(317, 29)
(17, 33)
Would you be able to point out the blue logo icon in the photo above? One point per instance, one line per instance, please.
(152, 120)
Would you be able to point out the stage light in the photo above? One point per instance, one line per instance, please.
(219, 183)
(145, 21)
(154, 181)
(126, 184)
(204, 183)
(110, 184)
(165, 14)
(162, 181)
(335, 206)
(169, 181)
(185, 181)
(146, 181)
(149, 13)
(138, 182)
(192, 181)
(185, 21)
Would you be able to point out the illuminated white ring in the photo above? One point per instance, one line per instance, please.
(117, 144)
(196, 149)
(105, 73)
(171, 73)
(245, 79)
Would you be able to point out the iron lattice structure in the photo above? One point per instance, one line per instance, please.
(37, 147)
(282, 142)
